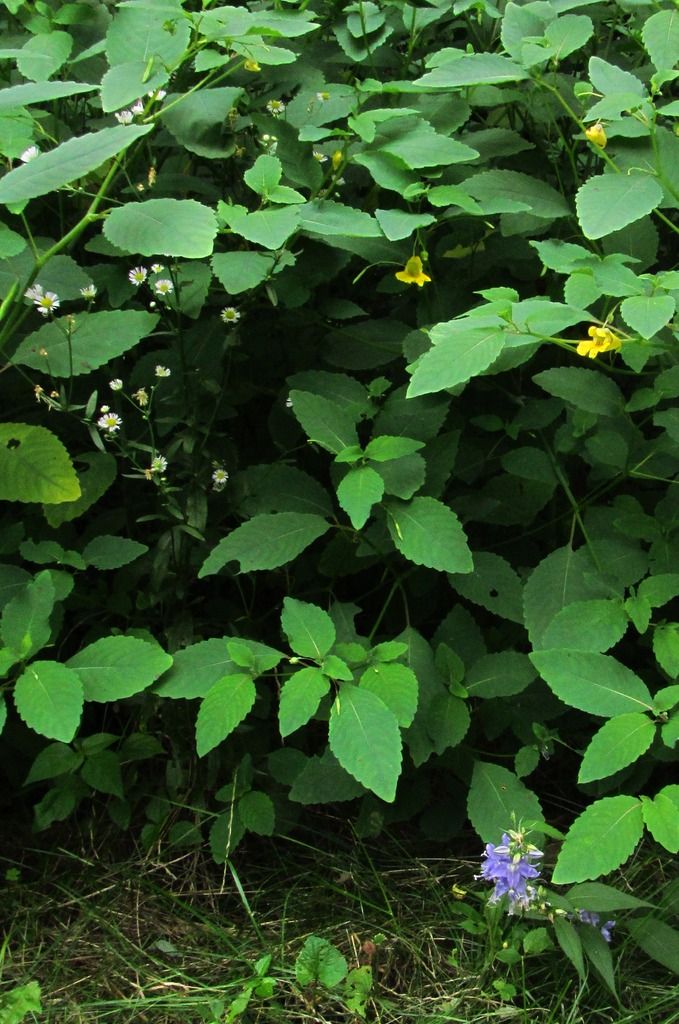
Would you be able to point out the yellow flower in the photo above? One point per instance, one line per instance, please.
(596, 135)
(602, 340)
(412, 273)
(336, 159)
(251, 65)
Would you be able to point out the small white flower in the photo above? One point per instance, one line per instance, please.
(116, 384)
(321, 157)
(29, 154)
(157, 268)
(270, 142)
(105, 408)
(276, 107)
(138, 107)
(46, 303)
(111, 422)
(158, 464)
(124, 117)
(138, 275)
(163, 287)
(288, 403)
(163, 371)
(229, 315)
(142, 397)
(89, 291)
(34, 292)
(322, 97)
(157, 94)
(219, 479)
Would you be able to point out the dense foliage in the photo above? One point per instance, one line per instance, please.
(339, 447)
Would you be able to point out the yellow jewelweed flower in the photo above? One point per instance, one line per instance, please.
(412, 273)
(336, 159)
(251, 65)
(596, 135)
(602, 339)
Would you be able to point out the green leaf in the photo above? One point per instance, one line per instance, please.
(327, 218)
(25, 625)
(366, 740)
(256, 811)
(35, 466)
(658, 590)
(44, 54)
(494, 585)
(598, 953)
(68, 162)
(19, 1001)
(109, 552)
(661, 817)
(473, 69)
(225, 835)
(323, 780)
(648, 314)
(300, 696)
(102, 772)
(567, 34)
(619, 742)
(397, 688)
(499, 675)
(310, 630)
(587, 626)
(563, 577)
(660, 36)
(156, 32)
(600, 839)
(459, 352)
(163, 227)
(666, 648)
(397, 224)
(609, 202)
(196, 119)
(357, 492)
(595, 683)
(96, 339)
(319, 962)
(270, 227)
(428, 533)
(265, 542)
(30, 94)
(96, 478)
(264, 175)
(196, 669)
(531, 194)
(658, 940)
(118, 666)
(496, 798)
(49, 699)
(568, 937)
(602, 899)
(241, 271)
(385, 448)
(53, 760)
(585, 389)
(325, 422)
(223, 708)
(447, 721)
(125, 83)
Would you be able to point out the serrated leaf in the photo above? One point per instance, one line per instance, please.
(264, 175)
(319, 962)
(310, 630)
(196, 669)
(163, 227)
(323, 780)
(429, 533)
(196, 119)
(49, 699)
(585, 389)
(300, 696)
(125, 83)
(532, 194)
(19, 1001)
(96, 339)
(595, 683)
(660, 36)
(499, 675)
(109, 552)
(496, 798)
(265, 542)
(600, 839)
(3, 713)
(459, 352)
(94, 480)
(560, 579)
(68, 162)
(397, 224)
(44, 54)
(609, 202)
(587, 626)
(658, 940)
(661, 817)
(102, 772)
(447, 721)
(385, 448)
(116, 667)
(666, 648)
(365, 738)
(35, 466)
(42, 92)
(397, 688)
(325, 422)
(619, 742)
(223, 708)
(242, 271)
(648, 314)
(256, 811)
(473, 69)
(53, 760)
(357, 492)
(326, 217)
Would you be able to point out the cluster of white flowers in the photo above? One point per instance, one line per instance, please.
(229, 315)
(128, 116)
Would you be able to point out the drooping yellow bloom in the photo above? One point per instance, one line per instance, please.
(251, 65)
(596, 135)
(602, 340)
(412, 273)
(336, 159)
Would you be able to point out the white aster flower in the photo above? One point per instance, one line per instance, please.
(163, 287)
(124, 117)
(157, 268)
(321, 157)
(162, 371)
(111, 422)
(276, 107)
(46, 303)
(138, 275)
(89, 291)
(138, 107)
(104, 408)
(219, 479)
(158, 464)
(157, 94)
(142, 397)
(29, 154)
(34, 292)
(229, 315)
(116, 384)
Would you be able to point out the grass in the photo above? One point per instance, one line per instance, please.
(154, 939)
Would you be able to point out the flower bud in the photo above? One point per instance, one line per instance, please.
(596, 135)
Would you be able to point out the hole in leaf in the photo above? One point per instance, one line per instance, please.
(13, 443)
(493, 592)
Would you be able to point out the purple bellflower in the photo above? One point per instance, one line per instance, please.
(589, 917)
(509, 866)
